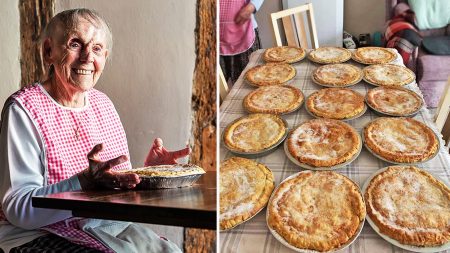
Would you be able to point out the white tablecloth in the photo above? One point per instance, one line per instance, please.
(253, 235)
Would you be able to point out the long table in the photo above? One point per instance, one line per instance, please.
(254, 235)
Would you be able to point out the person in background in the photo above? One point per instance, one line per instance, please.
(239, 36)
(64, 135)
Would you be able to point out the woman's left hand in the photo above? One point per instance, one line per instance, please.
(158, 155)
(99, 173)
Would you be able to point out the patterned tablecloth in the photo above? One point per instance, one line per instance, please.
(254, 235)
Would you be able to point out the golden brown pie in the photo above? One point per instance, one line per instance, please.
(409, 205)
(388, 75)
(254, 133)
(396, 101)
(323, 142)
(335, 103)
(284, 54)
(337, 75)
(327, 55)
(373, 55)
(321, 210)
(175, 170)
(401, 140)
(270, 74)
(245, 188)
(274, 99)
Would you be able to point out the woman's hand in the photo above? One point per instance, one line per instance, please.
(100, 175)
(244, 14)
(158, 155)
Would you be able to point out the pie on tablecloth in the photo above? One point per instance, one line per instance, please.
(270, 74)
(396, 101)
(373, 55)
(245, 188)
(337, 75)
(409, 205)
(323, 142)
(327, 55)
(335, 103)
(284, 54)
(321, 210)
(274, 99)
(254, 133)
(401, 140)
(388, 75)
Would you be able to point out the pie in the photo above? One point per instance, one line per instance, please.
(317, 210)
(373, 55)
(327, 55)
(394, 101)
(245, 188)
(254, 133)
(410, 205)
(273, 99)
(323, 142)
(388, 75)
(270, 74)
(337, 75)
(335, 103)
(176, 170)
(401, 140)
(284, 54)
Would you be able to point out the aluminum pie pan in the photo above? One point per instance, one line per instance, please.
(379, 85)
(158, 182)
(310, 167)
(345, 119)
(283, 83)
(294, 62)
(391, 240)
(260, 153)
(337, 86)
(285, 243)
(399, 163)
(367, 63)
(412, 114)
(286, 112)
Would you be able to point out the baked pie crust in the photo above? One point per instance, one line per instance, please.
(270, 74)
(254, 133)
(327, 55)
(396, 101)
(373, 55)
(388, 75)
(335, 103)
(337, 75)
(284, 54)
(409, 205)
(274, 99)
(321, 210)
(323, 142)
(245, 188)
(175, 170)
(400, 140)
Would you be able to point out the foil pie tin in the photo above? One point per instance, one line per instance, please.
(148, 182)
(345, 119)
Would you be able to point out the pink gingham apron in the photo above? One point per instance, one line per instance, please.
(234, 38)
(68, 136)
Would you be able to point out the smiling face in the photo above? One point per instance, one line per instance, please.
(78, 57)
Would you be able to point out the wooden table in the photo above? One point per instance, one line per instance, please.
(193, 206)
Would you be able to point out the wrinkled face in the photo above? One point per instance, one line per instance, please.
(79, 57)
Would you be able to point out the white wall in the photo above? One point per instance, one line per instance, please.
(149, 77)
(9, 49)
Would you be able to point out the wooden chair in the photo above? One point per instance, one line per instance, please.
(223, 85)
(442, 118)
(294, 26)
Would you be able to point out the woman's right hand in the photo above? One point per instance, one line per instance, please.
(100, 175)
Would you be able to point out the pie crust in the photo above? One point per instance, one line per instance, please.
(284, 54)
(321, 210)
(337, 75)
(270, 74)
(327, 55)
(245, 189)
(254, 133)
(373, 55)
(175, 170)
(401, 140)
(396, 101)
(323, 142)
(273, 99)
(409, 205)
(335, 103)
(388, 75)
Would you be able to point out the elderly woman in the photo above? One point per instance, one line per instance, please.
(63, 135)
